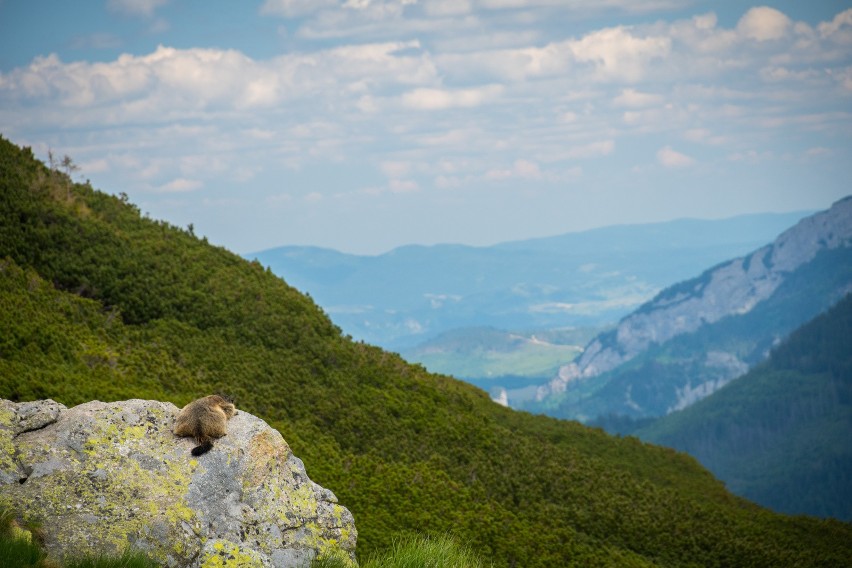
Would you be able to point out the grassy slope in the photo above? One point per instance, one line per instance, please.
(780, 434)
(98, 302)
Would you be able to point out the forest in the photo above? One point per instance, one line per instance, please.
(98, 301)
(780, 434)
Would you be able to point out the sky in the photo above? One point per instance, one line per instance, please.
(364, 125)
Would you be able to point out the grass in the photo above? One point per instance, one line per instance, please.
(17, 549)
(414, 552)
(129, 559)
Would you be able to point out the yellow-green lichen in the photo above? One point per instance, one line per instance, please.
(19, 533)
(110, 488)
(221, 553)
(7, 447)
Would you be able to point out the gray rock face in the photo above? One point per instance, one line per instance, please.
(100, 476)
(735, 287)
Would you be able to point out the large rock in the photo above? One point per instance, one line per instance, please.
(102, 476)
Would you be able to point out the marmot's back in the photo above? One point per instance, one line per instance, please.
(205, 420)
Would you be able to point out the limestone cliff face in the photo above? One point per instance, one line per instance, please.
(732, 288)
(102, 476)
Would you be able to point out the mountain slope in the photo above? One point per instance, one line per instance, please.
(780, 435)
(101, 303)
(699, 334)
(414, 293)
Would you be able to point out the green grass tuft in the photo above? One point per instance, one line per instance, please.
(415, 552)
(20, 553)
(129, 559)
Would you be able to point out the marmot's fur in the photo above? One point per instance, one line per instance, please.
(205, 420)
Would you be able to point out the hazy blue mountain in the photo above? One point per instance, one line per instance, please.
(414, 293)
(780, 435)
(697, 335)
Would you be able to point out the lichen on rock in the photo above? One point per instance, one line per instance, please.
(106, 476)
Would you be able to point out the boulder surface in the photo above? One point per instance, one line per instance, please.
(100, 477)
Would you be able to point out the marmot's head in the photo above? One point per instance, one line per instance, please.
(226, 403)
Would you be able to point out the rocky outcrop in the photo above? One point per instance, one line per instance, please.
(732, 288)
(104, 476)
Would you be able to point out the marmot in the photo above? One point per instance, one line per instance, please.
(205, 420)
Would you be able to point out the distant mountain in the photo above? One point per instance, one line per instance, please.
(695, 336)
(782, 434)
(414, 293)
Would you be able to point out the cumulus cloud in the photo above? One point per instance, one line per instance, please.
(839, 29)
(671, 158)
(619, 54)
(172, 81)
(526, 107)
(442, 99)
(764, 23)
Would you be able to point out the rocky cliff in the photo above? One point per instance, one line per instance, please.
(104, 476)
(733, 288)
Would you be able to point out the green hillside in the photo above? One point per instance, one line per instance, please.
(780, 435)
(97, 301)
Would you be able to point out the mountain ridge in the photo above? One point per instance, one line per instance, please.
(730, 289)
(413, 293)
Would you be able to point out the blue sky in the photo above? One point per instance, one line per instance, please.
(363, 125)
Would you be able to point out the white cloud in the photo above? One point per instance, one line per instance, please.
(587, 6)
(701, 36)
(395, 169)
(180, 185)
(704, 136)
(442, 99)
(671, 158)
(590, 150)
(94, 166)
(839, 29)
(843, 78)
(403, 186)
(764, 23)
(172, 82)
(818, 151)
(294, 8)
(447, 7)
(508, 101)
(635, 99)
(619, 54)
(135, 7)
(522, 169)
